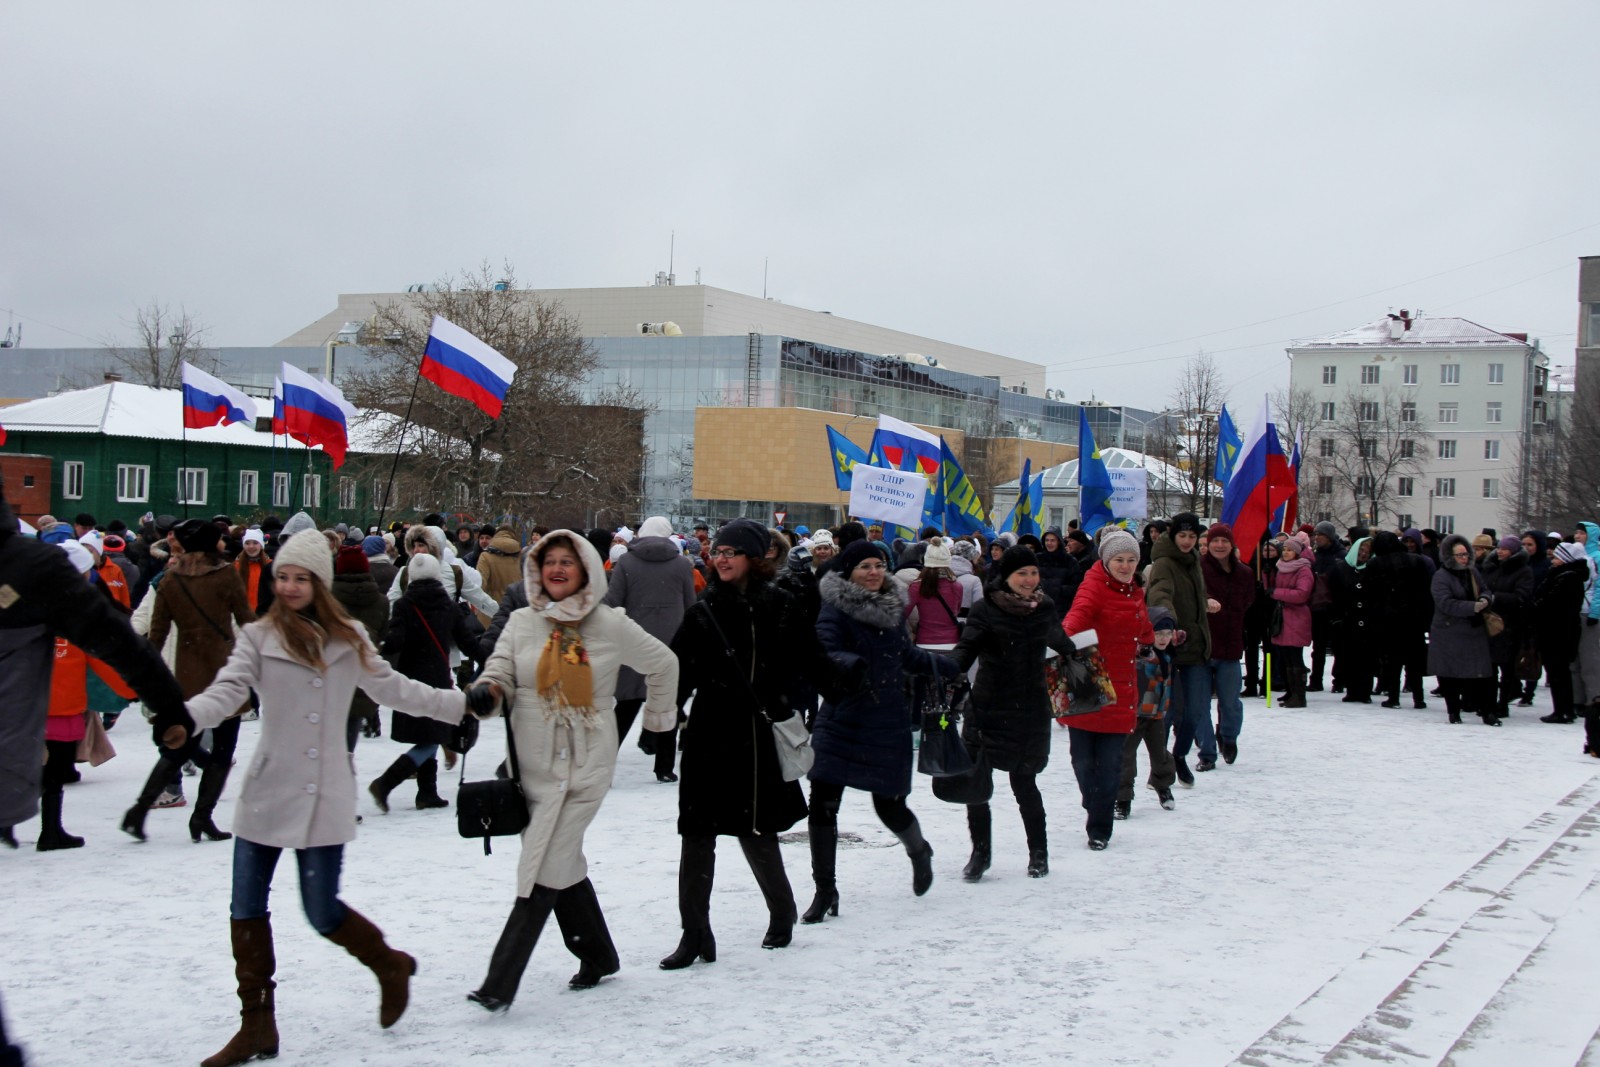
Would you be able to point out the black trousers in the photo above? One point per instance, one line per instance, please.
(1561, 695)
(1323, 632)
(826, 796)
(1030, 803)
(1473, 696)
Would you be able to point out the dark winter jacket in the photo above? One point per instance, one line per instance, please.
(1360, 592)
(383, 572)
(1175, 583)
(1235, 590)
(1010, 716)
(1059, 578)
(863, 740)
(364, 602)
(731, 781)
(1405, 588)
(1116, 613)
(423, 624)
(1510, 580)
(1458, 645)
(1539, 563)
(516, 597)
(202, 598)
(1556, 612)
(654, 583)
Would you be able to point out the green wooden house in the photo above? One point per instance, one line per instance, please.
(120, 451)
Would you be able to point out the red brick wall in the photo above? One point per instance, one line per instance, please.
(28, 501)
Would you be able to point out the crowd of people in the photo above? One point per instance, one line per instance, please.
(716, 641)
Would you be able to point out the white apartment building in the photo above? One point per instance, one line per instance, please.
(1476, 396)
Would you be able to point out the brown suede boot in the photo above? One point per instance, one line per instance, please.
(254, 964)
(394, 968)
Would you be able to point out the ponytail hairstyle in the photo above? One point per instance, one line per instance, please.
(305, 635)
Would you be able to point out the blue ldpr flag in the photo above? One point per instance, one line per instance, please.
(1023, 518)
(1094, 483)
(1229, 442)
(963, 511)
(846, 454)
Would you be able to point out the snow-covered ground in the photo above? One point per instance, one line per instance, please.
(1363, 882)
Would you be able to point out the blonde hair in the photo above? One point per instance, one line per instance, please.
(305, 634)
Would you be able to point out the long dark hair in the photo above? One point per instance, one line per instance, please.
(305, 634)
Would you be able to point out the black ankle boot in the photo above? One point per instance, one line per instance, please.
(51, 835)
(978, 827)
(428, 786)
(381, 786)
(824, 902)
(921, 854)
(693, 945)
(213, 780)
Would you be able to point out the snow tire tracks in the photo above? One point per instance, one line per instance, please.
(1508, 936)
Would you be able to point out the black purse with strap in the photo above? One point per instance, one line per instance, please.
(496, 807)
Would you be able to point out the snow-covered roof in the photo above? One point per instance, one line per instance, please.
(121, 409)
(1440, 330)
(1065, 475)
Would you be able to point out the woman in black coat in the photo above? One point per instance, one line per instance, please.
(743, 637)
(423, 624)
(1406, 611)
(1510, 579)
(1555, 616)
(1458, 649)
(1256, 622)
(1059, 573)
(863, 740)
(1008, 727)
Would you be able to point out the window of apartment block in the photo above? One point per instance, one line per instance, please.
(1330, 411)
(133, 483)
(1330, 375)
(1406, 487)
(1408, 374)
(1491, 449)
(1447, 449)
(1369, 375)
(1324, 483)
(1493, 411)
(1444, 487)
(311, 491)
(1541, 413)
(1449, 374)
(192, 485)
(1324, 516)
(1497, 374)
(1449, 411)
(463, 495)
(247, 486)
(1491, 489)
(378, 487)
(1368, 447)
(1327, 448)
(1367, 411)
(1364, 485)
(72, 480)
(1407, 521)
(1408, 450)
(280, 489)
(1408, 411)
(1445, 524)
(347, 494)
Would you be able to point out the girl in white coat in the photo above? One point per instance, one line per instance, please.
(556, 665)
(304, 658)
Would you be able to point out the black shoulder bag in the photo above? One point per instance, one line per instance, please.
(496, 807)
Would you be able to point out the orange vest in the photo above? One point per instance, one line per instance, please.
(69, 692)
(250, 573)
(111, 575)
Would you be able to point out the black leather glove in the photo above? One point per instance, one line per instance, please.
(172, 727)
(481, 700)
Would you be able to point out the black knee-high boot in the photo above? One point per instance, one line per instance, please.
(979, 826)
(697, 867)
(514, 949)
(428, 785)
(823, 827)
(213, 780)
(583, 928)
(766, 863)
(166, 766)
(381, 786)
(921, 854)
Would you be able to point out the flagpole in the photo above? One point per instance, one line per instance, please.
(388, 489)
(185, 461)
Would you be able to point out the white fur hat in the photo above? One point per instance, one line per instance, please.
(307, 549)
(422, 567)
(80, 556)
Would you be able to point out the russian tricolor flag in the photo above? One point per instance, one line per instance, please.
(208, 400)
(316, 413)
(464, 366)
(1256, 486)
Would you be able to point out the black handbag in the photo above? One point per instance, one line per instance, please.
(976, 784)
(496, 807)
(941, 753)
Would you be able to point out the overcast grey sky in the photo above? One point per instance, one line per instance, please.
(1085, 185)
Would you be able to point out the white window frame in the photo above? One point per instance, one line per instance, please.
(1324, 483)
(1327, 447)
(1491, 448)
(1330, 374)
(1406, 522)
(1369, 374)
(72, 480)
(311, 491)
(1408, 374)
(1497, 374)
(1367, 411)
(377, 494)
(191, 479)
(280, 488)
(347, 494)
(1449, 412)
(1408, 449)
(1444, 488)
(133, 483)
(1330, 410)
(1408, 411)
(1449, 374)
(1364, 485)
(1444, 524)
(249, 486)
(1494, 412)
(1447, 448)
(1491, 489)
(1406, 486)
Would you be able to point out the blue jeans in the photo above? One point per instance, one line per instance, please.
(253, 865)
(1192, 709)
(1097, 762)
(420, 754)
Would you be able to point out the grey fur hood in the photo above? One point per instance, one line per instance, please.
(885, 609)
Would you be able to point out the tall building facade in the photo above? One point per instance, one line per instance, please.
(1428, 421)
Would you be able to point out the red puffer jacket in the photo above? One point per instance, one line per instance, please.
(1115, 612)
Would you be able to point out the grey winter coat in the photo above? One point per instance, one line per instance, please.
(1458, 644)
(654, 583)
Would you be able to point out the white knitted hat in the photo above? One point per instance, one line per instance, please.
(308, 549)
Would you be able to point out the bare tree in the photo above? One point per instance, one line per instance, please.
(1378, 438)
(562, 450)
(1557, 465)
(163, 341)
(1197, 401)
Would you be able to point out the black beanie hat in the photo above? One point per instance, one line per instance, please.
(1015, 558)
(749, 537)
(197, 535)
(854, 554)
(1186, 522)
